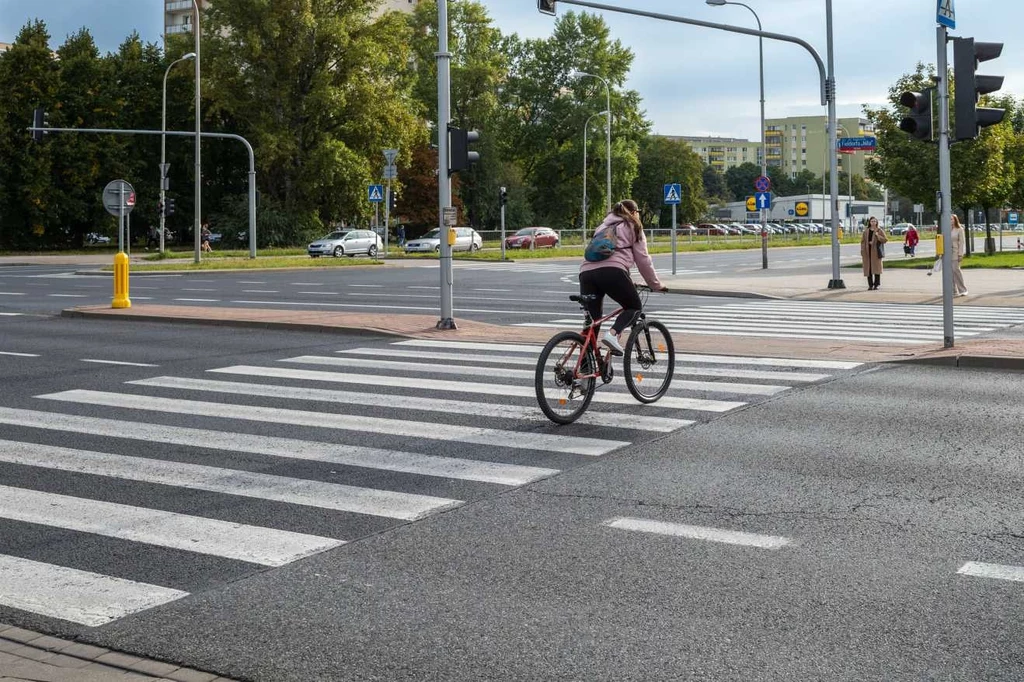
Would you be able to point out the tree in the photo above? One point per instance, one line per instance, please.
(740, 180)
(661, 161)
(715, 189)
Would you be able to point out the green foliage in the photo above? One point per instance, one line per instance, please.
(662, 161)
(715, 188)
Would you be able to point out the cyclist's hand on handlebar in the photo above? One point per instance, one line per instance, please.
(663, 289)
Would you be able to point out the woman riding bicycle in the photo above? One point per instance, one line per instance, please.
(606, 270)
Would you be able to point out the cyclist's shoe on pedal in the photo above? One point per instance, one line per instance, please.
(611, 342)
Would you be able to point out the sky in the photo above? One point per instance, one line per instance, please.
(693, 80)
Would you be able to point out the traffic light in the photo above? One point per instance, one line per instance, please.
(160, 208)
(169, 207)
(393, 200)
(40, 120)
(459, 156)
(546, 6)
(970, 118)
(502, 196)
(919, 122)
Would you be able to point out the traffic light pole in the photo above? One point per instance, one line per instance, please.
(945, 188)
(444, 185)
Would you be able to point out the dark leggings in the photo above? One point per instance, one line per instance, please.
(616, 283)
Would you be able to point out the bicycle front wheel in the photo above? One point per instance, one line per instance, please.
(649, 361)
(561, 393)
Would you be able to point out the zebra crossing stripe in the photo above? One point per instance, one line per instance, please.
(350, 455)
(813, 329)
(576, 445)
(334, 496)
(505, 373)
(614, 419)
(692, 370)
(76, 596)
(472, 345)
(440, 385)
(242, 542)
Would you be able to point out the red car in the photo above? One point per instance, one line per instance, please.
(532, 237)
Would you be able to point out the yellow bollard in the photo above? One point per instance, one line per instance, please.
(451, 236)
(938, 244)
(121, 282)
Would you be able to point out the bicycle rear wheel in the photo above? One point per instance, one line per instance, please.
(649, 361)
(561, 394)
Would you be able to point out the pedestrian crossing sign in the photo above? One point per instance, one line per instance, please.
(376, 193)
(673, 193)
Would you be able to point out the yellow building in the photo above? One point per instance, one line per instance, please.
(801, 143)
(723, 153)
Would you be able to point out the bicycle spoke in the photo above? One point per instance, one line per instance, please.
(561, 392)
(649, 361)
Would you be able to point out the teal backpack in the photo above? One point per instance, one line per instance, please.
(602, 244)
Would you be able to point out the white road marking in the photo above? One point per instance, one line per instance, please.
(439, 385)
(118, 362)
(198, 300)
(421, 287)
(395, 427)
(12, 293)
(403, 402)
(289, 448)
(68, 295)
(506, 373)
(11, 314)
(187, 289)
(320, 284)
(19, 355)
(298, 491)
(239, 541)
(729, 537)
(244, 282)
(504, 291)
(979, 569)
(77, 596)
(472, 345)
(367, 286)
(260, 291)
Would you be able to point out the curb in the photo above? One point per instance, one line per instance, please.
(724, 294)
(966, 362)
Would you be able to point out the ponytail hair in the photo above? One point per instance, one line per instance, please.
(630, 212)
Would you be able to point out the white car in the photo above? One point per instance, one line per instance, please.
(466, 239)
(346, 243)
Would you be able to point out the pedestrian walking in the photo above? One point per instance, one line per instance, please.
(205, 235)
(872, 250)
(910, 242)
(958, 244)
(401, 235)
(153, 237)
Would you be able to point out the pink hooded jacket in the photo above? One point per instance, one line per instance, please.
(629, 251)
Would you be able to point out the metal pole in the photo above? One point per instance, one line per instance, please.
(608, 142)
(444, 187)
(387, 216)
(833, 161)
(252, 212)
(583, 223)
(199, 167)
(503, 232)
(673, 239)
(120, 222)
(163, 147)
(945, 189)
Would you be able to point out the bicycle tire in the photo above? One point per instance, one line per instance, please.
(569, 397)
(645, 351)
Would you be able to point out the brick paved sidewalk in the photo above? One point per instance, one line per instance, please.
(33, 657)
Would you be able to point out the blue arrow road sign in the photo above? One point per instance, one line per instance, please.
(673, 193)
(376, 193)
(763, 200)
(1012, 218)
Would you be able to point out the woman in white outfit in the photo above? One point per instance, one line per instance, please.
(958, 244)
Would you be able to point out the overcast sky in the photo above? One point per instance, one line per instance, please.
(693, 81)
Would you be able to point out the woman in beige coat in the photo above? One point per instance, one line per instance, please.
(958, 245)
(871, 261)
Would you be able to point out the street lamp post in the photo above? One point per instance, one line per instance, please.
(764, 145)
(607, 132)
(586, 126)
(163, 147)
(849, 188)
(196, 227)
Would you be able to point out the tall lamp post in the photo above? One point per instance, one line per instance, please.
(764, 145)
(163, 147)
(849, 178)
(607, 131)
(586, 126)
(196, 227)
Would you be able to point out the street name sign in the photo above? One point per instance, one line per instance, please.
(376, 193)
(112, 194)
(763, 200)
(858, 144)
(673, 193)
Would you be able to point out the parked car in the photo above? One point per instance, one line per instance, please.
(711, 228)
(96, 238)
(899, 229)
(466, 239)
(532, 237)
(346, 243)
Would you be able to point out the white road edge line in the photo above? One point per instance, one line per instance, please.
(728, 537)
(979, 569)
(19, 355)
(118, 362)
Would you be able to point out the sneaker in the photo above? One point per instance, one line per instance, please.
(610, 341)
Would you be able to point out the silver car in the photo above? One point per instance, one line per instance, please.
(466, 239)
(346, 243)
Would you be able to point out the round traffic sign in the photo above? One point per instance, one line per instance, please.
(801, 208)
(763, 183)
(751, 204)
(118, 197)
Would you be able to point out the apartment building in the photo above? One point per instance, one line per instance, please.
(723, 153)
(800, 143)
(178, 14)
